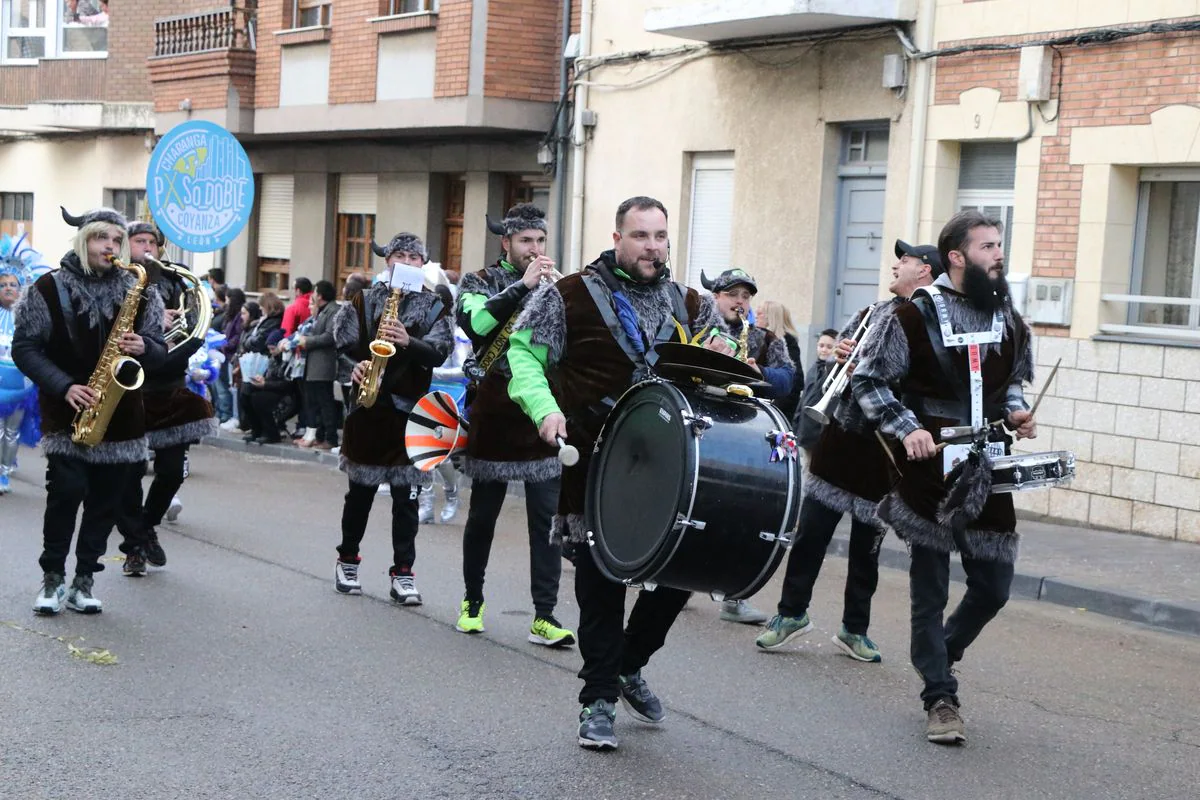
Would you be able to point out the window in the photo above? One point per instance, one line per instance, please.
(16, 213)
(453, 209)
(393, 7)
(710, 232)
(311, 13)
(130, 202)
(866, 146)
(1166, 264)
(275, 232)
(33, 29)
(987, 172)
(526, 189)
(355, 223)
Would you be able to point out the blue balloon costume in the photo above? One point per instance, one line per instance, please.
(20, 420)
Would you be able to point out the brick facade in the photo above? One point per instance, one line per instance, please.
(354, 52)
(522, 50)
(453, 48)
(204, 79)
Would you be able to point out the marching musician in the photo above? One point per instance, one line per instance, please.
(849, 472)
(591, 333)
(62, 327)
(504, 445)
(734, 291)
(373, 451)
(957, 356)
(19, 423)
(176, 417)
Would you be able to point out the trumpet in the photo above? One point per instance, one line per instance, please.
(839, 377)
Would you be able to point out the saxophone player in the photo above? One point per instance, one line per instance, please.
(734, 290)
(64, 329)
(176, 417)
(373, 451)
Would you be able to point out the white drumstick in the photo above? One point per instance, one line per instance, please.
(567, 454)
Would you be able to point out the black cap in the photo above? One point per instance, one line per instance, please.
(728, 279)
(925, 253)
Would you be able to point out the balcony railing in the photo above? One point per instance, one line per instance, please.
(229, 28)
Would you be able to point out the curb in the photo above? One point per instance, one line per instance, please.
(1180, 617)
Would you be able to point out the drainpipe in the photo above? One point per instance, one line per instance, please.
(579, 137)
(560, 147)
(921, 80)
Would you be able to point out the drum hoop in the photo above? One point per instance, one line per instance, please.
(787, 522)
(690, 490)
(1029, 459)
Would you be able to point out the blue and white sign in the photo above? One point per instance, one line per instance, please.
(200, 186)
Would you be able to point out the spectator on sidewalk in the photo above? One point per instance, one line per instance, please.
(809, 430)
(234, 324)
(320, 368)
(776, 318)
(300, 308)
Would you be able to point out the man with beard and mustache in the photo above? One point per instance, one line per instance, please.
(62, 327)
(563, 333)
(957, 355)
(176, 417)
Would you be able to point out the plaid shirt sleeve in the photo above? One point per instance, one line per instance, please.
(1014, 400)
(873, 378)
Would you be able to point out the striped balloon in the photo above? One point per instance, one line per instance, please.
(434, 431)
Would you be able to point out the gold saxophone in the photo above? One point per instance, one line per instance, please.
(743, 337)
(115, 373)
(179, 333)
(381, 351)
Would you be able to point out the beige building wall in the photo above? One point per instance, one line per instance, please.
(1127, 405)
(780, 113)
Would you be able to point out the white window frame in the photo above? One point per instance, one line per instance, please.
(51, 34)
(1190, 331)
(702, 162)
(394, 8)
(982, 199)
(302, 5)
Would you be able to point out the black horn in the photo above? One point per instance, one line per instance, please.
(494, 227)
(705, 282)
(71, 219)
(377, 250)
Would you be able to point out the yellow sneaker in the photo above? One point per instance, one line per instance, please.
(470, 618)
(546, 631)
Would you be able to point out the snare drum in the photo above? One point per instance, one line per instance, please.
(1032, 471)
(683, 491)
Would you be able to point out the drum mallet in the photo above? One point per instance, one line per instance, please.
(568, 455)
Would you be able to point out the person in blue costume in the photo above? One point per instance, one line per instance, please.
(19, 417)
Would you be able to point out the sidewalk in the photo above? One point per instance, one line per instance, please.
(1152, 581)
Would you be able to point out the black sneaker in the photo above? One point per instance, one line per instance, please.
(639, 701)
(155, 553)
(135, 564)
(596, 726)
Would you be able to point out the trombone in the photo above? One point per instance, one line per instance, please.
(839, 377)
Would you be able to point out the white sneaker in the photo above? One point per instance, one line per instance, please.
(230, 424)
(384, 488)
(345, 577)
(79, 597)
(50, 598)
(425, 507)
(450, 510)
(175, 509)
(404, 590)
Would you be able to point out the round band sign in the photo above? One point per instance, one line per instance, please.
(200, 186)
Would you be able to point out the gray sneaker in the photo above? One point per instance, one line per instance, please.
(450, 509)
(741, 611)
(944, 725)
(80, 598)
(54, 592)
(780, 629)
(596, 726)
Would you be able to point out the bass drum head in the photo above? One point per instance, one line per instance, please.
(637, 477)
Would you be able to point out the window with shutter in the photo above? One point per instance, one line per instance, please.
(710, 230)
(275, 232)
(986, 175)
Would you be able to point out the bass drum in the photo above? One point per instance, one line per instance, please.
(682, 491)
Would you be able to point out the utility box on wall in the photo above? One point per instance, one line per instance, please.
(1033, 76)
(1048, 301)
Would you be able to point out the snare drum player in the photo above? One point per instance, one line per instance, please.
(373, 451)
(849, 472)
(591, 333)
(504, 445)
(733, 291)
(957, 355)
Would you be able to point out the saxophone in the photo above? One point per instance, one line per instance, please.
(743, 337)
(115, 373)
(381, 351)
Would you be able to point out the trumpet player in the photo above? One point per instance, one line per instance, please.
(849, 473)
(733, 292)
(176, 417)
(504, 444)
(63, 327)
(373, 451)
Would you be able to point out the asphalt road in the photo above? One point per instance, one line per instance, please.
(241, 673)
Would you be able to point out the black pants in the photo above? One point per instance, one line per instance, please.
(545, 558)
(258, 407)
(817, 524)
(323, 410)
(357, 510)
(138, 519)
(935, 647)
(71, 483)
(607, 650)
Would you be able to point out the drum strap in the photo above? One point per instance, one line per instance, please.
(665, 333)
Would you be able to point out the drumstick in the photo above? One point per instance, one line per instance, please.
(567, 454)
(1032, 410)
